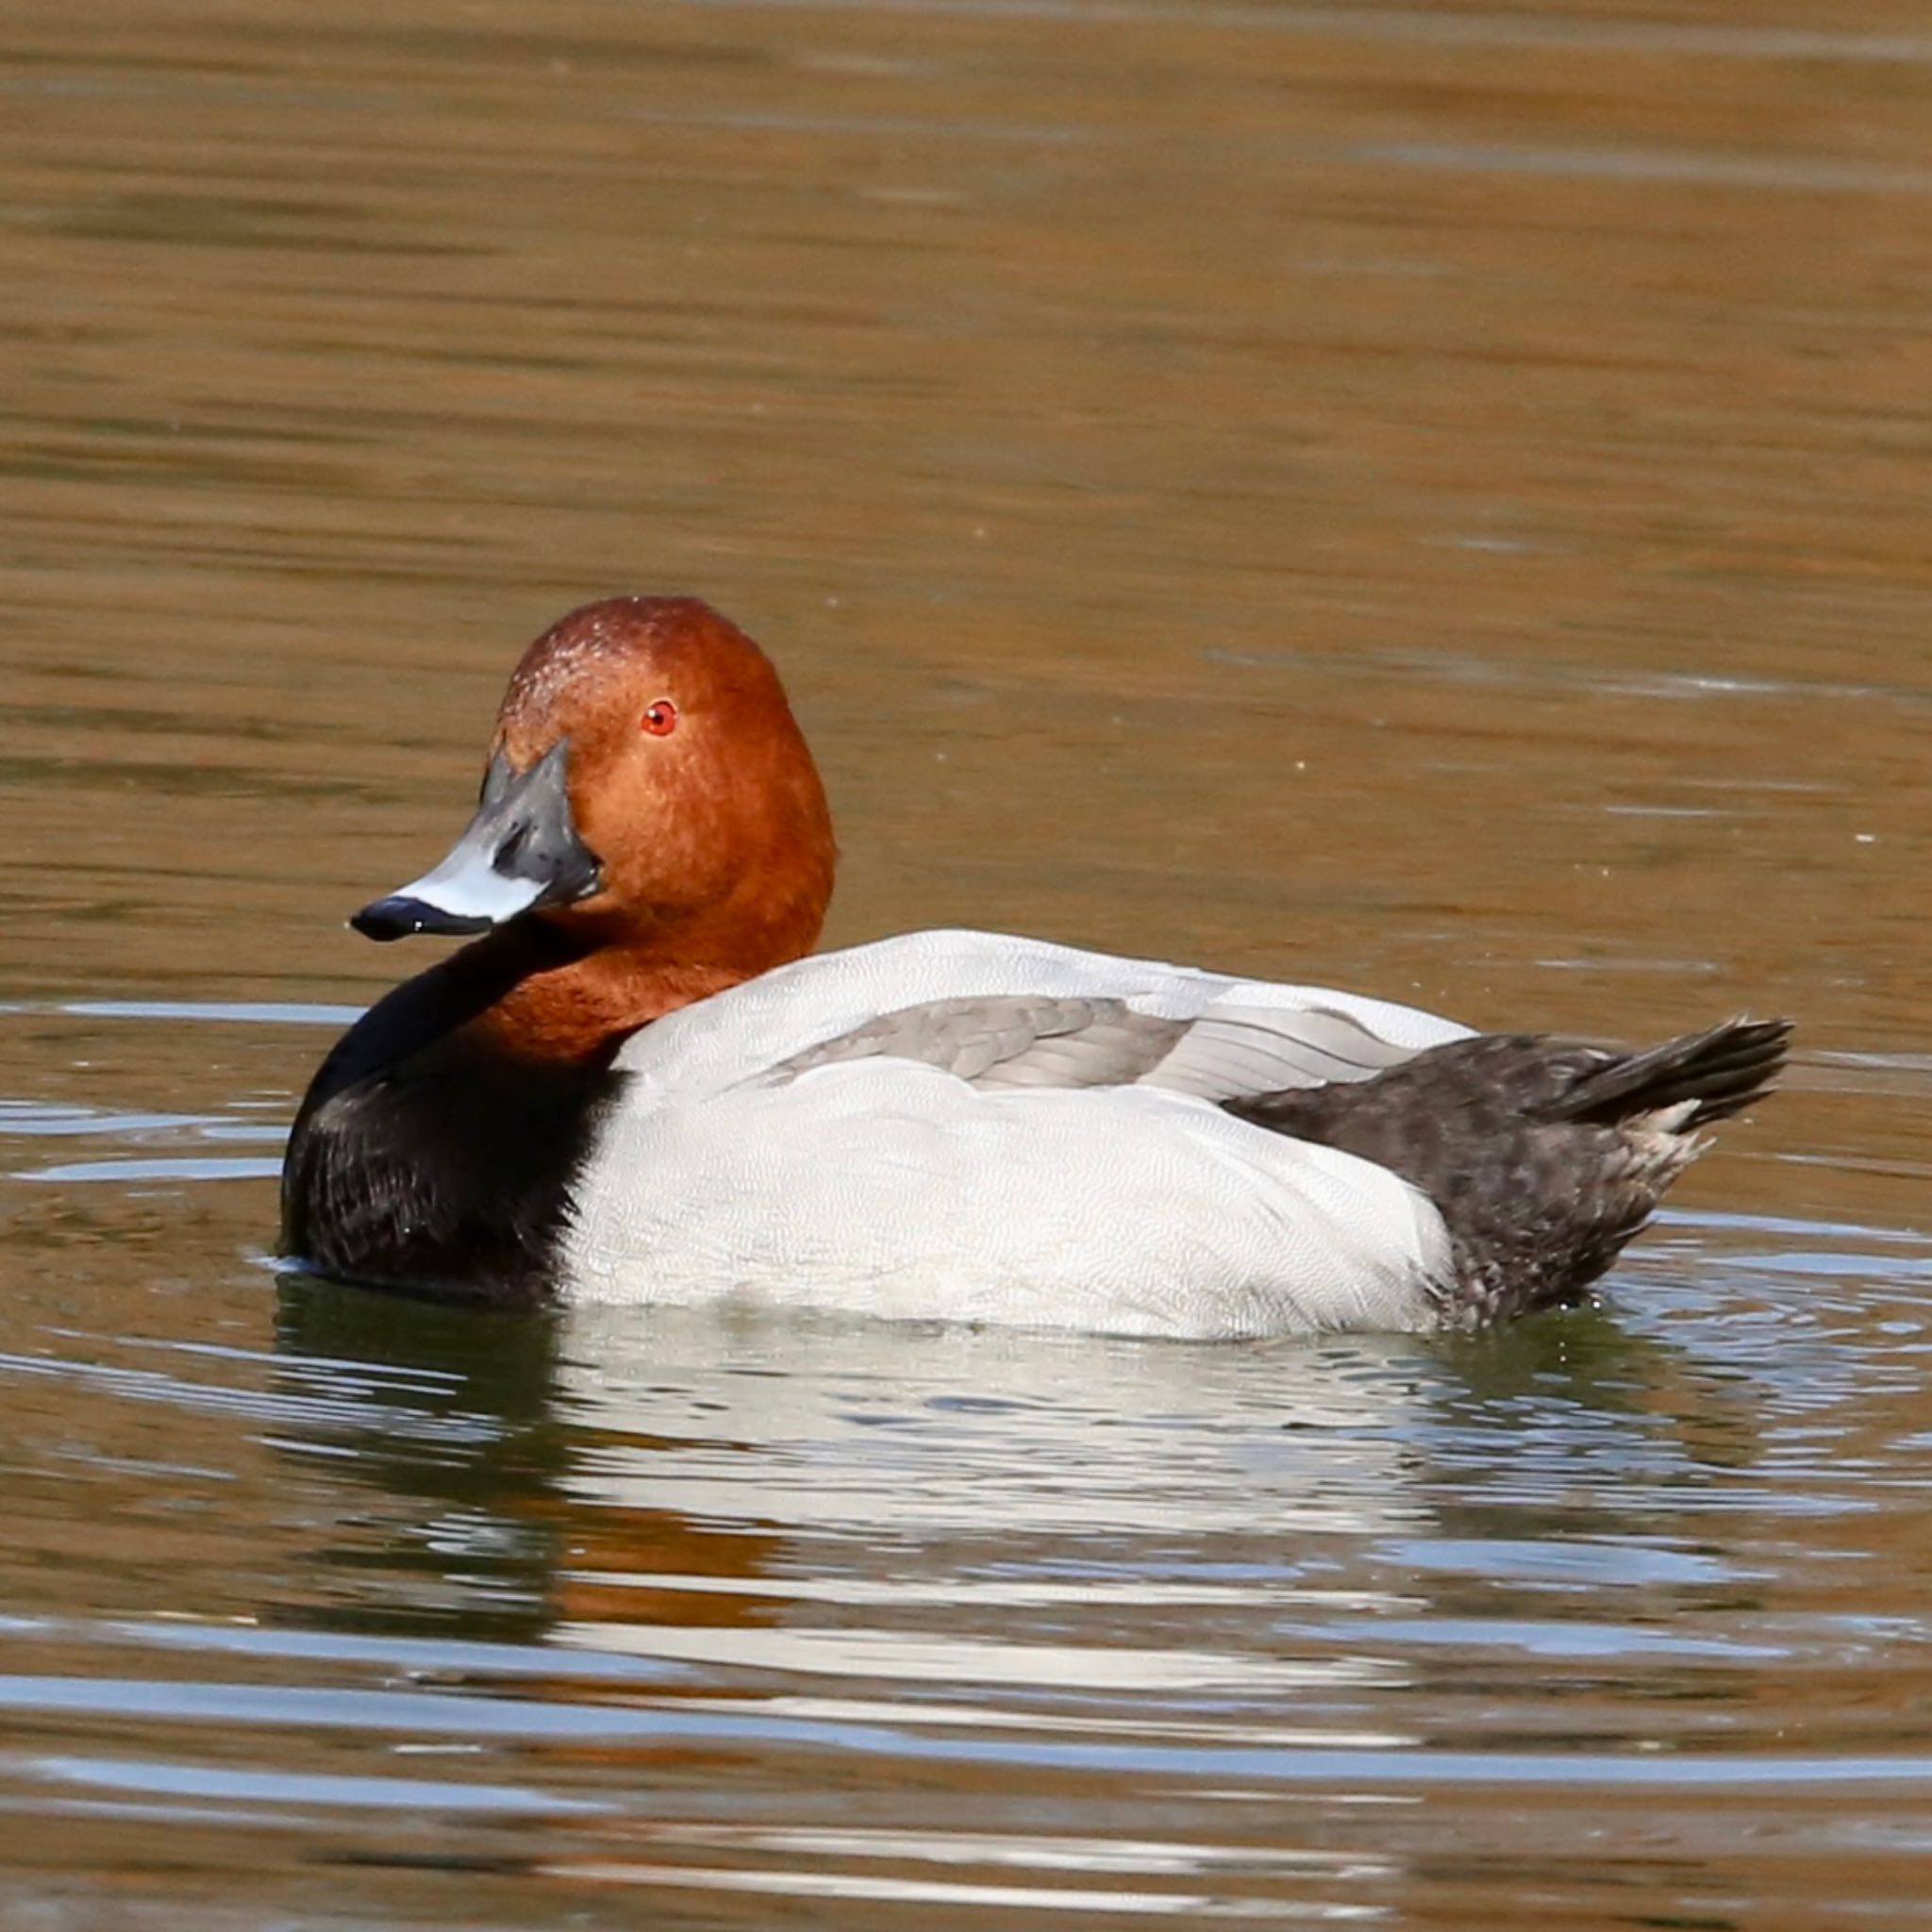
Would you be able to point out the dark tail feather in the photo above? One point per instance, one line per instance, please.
(1724, 1069)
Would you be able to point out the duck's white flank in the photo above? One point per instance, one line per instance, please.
(893, 1187)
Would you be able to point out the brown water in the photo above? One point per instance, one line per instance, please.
(1428, 499)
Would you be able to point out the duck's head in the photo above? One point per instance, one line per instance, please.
(647, 787)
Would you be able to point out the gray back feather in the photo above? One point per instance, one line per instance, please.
(1233, 1050)
(1019, 1040)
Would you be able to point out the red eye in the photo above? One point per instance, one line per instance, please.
(661, 720)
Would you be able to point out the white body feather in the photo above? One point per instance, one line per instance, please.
(893, 1187)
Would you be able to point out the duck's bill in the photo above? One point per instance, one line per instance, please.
(520, 852)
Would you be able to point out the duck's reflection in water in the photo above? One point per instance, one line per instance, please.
(821, 1599)
(608, 1477)
(454, 1444)
(823, 1498)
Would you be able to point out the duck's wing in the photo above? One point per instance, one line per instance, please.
(1000, 1011)
(976, 1127)
(890, 1187)
(1011, 1040)
(1230, 1050)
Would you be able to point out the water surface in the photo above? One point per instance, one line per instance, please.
(1430, 499)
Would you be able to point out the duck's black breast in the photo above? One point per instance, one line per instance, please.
(425, 1160)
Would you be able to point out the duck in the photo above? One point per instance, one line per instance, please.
(636, 1082)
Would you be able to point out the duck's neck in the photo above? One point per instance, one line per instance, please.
(537, 997)
(562, 1003)
(567, 993)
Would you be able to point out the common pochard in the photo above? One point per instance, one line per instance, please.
(636, 1085)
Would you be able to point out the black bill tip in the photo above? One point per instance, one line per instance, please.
(399, 916)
